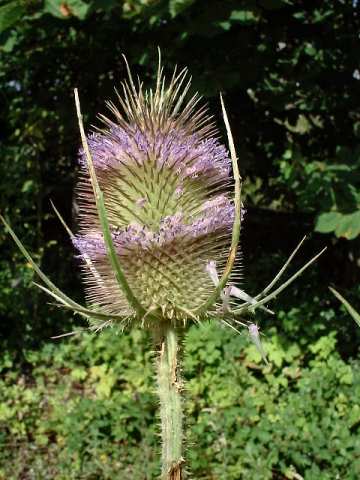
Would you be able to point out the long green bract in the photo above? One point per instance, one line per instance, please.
(276, 278)
(237, 220)
(114, 259)
(39, 272)
(281, 271)
(355, 315)
(279, 289)
(99, 200)
(53, 290)
(88, 313)
(64, 224)
(86, 257)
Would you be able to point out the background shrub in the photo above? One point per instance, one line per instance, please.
(86, 409)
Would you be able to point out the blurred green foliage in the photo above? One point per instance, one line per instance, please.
(85, 409)
(291, 82)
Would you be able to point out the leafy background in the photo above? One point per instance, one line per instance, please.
(84, 408)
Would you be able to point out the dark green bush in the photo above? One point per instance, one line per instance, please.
(85, 409)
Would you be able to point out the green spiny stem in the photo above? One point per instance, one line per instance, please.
(169, 391)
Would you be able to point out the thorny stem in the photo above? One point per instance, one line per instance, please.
(169, 391)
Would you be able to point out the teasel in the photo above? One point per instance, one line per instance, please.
(159, 229)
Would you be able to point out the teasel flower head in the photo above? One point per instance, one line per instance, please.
(165, 181)
(159, 219)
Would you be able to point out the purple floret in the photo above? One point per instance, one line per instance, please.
(91, 245)
(189, 155)
(216, 215)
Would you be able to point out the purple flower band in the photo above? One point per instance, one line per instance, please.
(217, 215)
(190, 155)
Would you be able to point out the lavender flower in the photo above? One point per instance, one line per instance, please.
(165, 179)
(155, 212)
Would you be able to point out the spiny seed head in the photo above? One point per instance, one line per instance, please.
(165, 178)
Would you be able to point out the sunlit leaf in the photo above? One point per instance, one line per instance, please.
(10, 13)
(178, 6)
(66, 9)
(349, 226)
(327, 222)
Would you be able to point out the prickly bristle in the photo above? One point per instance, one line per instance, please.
(165, 182)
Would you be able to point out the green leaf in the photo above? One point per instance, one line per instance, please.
(224, 25)
(310, 50)
(105, 380)
(327, 222)
(27, 186)
(10, 41)
(178, 6)
(68, 9)
(78, 374)
(243, 16)
(10, 13)
(302, 125)
(324, 346)
(349, 226)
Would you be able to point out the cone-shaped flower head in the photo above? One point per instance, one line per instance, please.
(165, 179)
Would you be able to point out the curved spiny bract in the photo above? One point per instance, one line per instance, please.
(165, 180)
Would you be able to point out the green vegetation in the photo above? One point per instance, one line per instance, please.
(84, 407)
